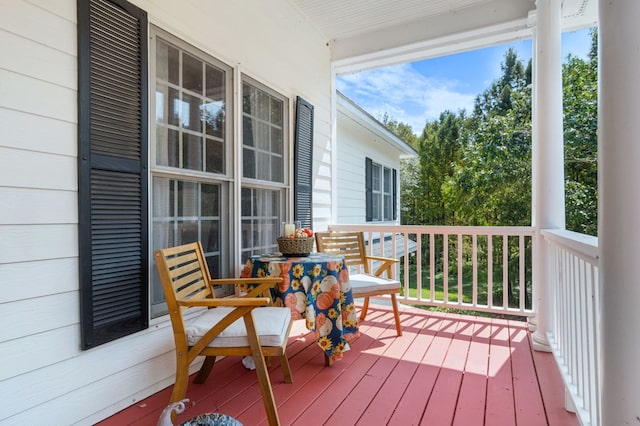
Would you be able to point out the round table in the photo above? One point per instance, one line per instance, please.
(316, 288)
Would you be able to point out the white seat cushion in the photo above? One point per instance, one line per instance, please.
(365, 283)
(271, 324)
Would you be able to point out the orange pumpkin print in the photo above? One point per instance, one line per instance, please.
(325, 300)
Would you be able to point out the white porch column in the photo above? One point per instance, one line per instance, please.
(548, 153)
(619, 209)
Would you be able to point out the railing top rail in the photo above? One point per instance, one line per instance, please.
(437, 229)
(585, 245)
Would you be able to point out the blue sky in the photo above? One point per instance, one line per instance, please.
(416, 92)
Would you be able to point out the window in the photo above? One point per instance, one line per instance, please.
(191, 179)
(381, 190)
(264, 150)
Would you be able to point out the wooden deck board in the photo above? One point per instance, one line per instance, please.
(472, 396)
(445, 369)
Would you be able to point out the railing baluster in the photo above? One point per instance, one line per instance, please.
(474, 262)
(432, 268)
(521, 275)
(505, 271)
(460, 247)
(490, 271)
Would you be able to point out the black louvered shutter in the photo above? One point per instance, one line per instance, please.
(395, 194)
(368, 164)
(112, 170)
(303, 163)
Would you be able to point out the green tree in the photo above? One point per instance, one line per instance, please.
(491, 184)
(580, 104)
(439, 152)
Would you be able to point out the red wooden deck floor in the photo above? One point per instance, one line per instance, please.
(446, 369)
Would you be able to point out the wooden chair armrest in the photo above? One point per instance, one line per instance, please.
(260, 286)
(227, 301)
(387, 263)
(384, 259)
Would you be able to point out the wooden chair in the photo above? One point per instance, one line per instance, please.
(232, 326)
(351, 246)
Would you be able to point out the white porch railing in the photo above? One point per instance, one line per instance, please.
(489, 269)
(574, 321)
(479, 268)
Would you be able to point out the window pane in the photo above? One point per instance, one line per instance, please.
(173, 107)
(387, 180)
(377, 205)
(167, 60)
(192, 108)
(191, 73)
(192, 152)
(167, 148)
(248, 163)
(213, 113)
(210, 205)
(248, 99)
(215, 156)
(214, 106)
(376, 183)
(276, 112)
(388, 200)
(247, 132)
(276, 140)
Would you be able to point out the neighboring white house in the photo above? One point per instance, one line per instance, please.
(368, 158)
(368, 172)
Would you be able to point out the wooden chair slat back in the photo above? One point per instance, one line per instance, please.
(184, 274)
(347, 244)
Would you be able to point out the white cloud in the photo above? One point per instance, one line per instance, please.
(404, 94)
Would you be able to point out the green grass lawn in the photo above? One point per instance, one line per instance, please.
(467, 286)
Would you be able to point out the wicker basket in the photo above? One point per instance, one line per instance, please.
(295, 246)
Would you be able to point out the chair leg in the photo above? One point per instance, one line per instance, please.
(286, 369)
(205, 370)
(181, 383)
(396, 314)
(262, 372)
(365, 308)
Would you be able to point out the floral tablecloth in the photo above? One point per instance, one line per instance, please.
(316, 288)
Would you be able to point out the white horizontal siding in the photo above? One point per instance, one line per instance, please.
(36, 60)
(27, 280)
(26, 354)
(28, 169)
(37, 206)
(106, 375)
(38, 315)
(29, 132)
(32, 21)
(37, 242)
(23, 93)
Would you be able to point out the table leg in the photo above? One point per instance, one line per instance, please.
(327, 361)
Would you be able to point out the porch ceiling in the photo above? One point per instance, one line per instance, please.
(371, 33)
